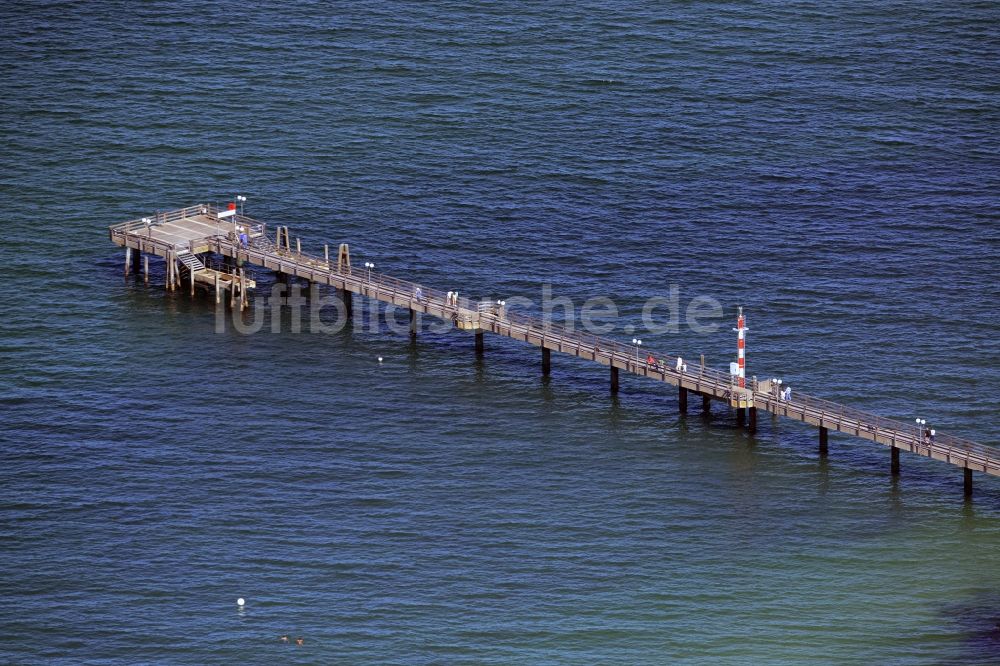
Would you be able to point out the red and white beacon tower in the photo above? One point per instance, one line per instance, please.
(741, 343)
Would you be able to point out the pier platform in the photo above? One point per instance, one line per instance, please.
(183, 236)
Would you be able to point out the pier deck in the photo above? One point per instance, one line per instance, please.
(199, 229)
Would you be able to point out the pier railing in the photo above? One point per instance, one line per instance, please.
(802, 406)
(253, 227)
(913, 437)
(486, 315)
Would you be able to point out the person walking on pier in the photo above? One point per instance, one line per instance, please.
(418, 294)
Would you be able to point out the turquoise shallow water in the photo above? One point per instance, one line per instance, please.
(833, 171)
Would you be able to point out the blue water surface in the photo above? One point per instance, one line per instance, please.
(833, 168)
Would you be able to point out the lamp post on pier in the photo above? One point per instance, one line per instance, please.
(638, 343)
(369, 265)
(241, 199)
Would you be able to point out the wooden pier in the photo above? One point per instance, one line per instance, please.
(183, 237)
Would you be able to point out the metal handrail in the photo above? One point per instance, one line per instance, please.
(490, 316)
(723, 382)
(159, 218)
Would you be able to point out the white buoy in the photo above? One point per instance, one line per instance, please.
(240, 601)
(379, 359)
